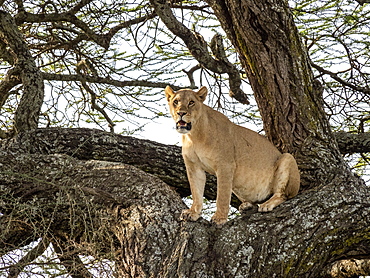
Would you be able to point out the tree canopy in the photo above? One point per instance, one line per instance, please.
(103, 63)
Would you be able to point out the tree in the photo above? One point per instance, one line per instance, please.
(115, 212)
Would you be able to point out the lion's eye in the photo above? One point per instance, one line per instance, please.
(175, 102)
(191, 103)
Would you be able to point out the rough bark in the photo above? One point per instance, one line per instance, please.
(279, 72)
(28, 111)
(112, 210)
(350, 143)
(163, 161)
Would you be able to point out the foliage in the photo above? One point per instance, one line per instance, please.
(119, 42)
(336, 34)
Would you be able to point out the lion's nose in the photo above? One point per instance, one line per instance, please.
(181, 114)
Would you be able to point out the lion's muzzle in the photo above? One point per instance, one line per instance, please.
(183, 127)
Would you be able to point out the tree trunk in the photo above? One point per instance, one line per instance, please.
(290, 101)
(28, 111)
(114, 211)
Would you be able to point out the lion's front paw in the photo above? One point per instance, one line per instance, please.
(218, 221)
(245, 206)
(265, 207)
(190, 215)
(273, 202)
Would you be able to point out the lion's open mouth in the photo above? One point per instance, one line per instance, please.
(183, 126)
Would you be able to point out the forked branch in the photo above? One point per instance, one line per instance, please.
(199, 49)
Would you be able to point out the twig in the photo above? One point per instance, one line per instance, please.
(87, 66)
(68, 256)
(190, 75)
(198, 48)
(340, 80)
(32, 255)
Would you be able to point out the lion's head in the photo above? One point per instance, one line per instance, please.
(184, 106)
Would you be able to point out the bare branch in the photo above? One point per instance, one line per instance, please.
(85, 65)
(71, 261)
(10, 80)
(79, 6)
(127, 24)
(190, 75)
(105, 80)
(32, 255)
(101, 39)
(198, 48)
(218, 50)
(340, 80)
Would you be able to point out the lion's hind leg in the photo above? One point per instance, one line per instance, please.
(285, 183)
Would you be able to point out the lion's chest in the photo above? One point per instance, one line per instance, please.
(207, 165)
(202, 157)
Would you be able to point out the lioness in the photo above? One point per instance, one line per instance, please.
(244, 162)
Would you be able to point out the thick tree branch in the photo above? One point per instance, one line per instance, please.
(149, 156)
(198, 48)
(82, 143)
(27, 114)
(299, 238)
(350, 143)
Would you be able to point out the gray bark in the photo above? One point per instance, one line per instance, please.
(163, 161)
(28, 111)
(133, 217)
(350, 143)
(149, 156)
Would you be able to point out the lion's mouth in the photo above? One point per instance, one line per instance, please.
(183, 127)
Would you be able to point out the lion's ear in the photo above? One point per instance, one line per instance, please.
(169, 93)
(202, 93)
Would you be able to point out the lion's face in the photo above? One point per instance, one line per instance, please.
(184, 107)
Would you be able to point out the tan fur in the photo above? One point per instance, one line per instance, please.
(244, 162)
